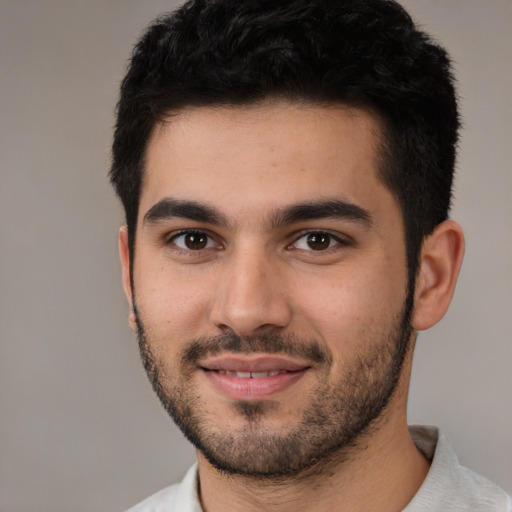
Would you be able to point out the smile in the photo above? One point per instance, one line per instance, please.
(252, 377)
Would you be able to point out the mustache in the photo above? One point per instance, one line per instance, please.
(268, 343)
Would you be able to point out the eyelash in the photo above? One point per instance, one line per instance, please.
(191, 232)
(333, 241)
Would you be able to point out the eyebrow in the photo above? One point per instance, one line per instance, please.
(327, 209)
(168, 208)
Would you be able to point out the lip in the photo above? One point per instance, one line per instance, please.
(222, 372)
(252, 363)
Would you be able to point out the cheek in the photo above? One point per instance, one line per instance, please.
(350, 308)
(172, 304)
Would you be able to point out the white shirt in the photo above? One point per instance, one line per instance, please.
(447, 487)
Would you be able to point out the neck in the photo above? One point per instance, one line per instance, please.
(383, 472)
(385, 478)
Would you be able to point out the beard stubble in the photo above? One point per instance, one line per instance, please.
(338, 414)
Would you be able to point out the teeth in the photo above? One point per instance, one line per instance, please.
(259, 375)
(250, 375)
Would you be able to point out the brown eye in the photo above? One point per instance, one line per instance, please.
(196, 241)
(318, 241)
(193, 241)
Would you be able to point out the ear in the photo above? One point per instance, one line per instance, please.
(124, 255)
(440, 262)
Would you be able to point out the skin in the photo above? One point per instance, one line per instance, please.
(256, 277)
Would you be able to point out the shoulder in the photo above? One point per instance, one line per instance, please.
(182, 497)
(449, 485)
(481, 493)
(162, 500)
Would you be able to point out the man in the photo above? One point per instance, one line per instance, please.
(286, 169)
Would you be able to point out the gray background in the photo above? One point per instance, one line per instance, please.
(80, 429)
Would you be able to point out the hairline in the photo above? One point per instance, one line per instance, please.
(383, 155)
(382, 130)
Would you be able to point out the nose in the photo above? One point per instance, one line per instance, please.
(251, 296)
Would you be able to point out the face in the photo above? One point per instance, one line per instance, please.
(270, 282)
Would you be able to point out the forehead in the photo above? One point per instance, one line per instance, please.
(263, 156)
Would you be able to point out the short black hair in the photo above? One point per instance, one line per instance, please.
(362, 53)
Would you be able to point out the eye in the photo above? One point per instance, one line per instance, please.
(193, 240)
(317, 241)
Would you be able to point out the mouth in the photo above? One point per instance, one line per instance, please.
(252, 377)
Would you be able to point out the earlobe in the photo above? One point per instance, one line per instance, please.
(440, 262)
(124, 255)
